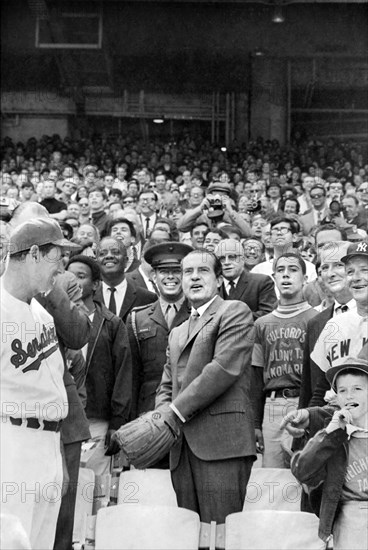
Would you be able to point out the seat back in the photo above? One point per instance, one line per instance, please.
(126, 527)
(146, 487)
(272, 530)
(272, 489)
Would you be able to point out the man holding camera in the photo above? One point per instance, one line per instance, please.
(215, 207)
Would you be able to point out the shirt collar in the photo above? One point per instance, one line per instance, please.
(177, 304)
(201, 309)
(351, 305)
(119, 288)
(227, 283)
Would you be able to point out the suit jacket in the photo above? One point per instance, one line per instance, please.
(133, 266)
(136, 278)
(148, 338)
(134, 297)
(257, 291)
(207, 377)
(312, 377)
(108, 369)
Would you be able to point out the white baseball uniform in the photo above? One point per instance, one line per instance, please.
(31, 387)
(342, 336)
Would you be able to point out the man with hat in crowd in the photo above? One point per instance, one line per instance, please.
(334, 463)
(215, 207)
(33, 395)
(149, 325)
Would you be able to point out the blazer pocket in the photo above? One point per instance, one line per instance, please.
(147, 343)
(225, 408)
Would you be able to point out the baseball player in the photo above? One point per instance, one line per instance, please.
(347, 334)
(33, 396)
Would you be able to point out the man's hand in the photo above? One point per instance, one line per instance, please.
(259, 440)
(339, 420)
(226, 203)
(205, 204)
(112, 447)
(295, 422)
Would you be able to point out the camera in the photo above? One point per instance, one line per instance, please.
(254, 206)
(215, 206)
(335, 208)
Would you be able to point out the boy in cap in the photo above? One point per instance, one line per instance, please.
(337, 457)
(33, 395)
(149, 326)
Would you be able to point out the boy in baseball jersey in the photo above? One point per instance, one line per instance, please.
(33, 396)
(278, 358)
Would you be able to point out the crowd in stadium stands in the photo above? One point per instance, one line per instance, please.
(282, 221)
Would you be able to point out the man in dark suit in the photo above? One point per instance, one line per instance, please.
(314, 383)
(117, 293)
(206, 383)
(142, 275)
(257, 291)
(149, 326)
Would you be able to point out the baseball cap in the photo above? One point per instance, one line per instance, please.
(39, 231)
(169, 254)
(219, 187)
(359, 363)
(356, 249)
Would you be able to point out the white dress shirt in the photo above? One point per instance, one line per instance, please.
(119, 294)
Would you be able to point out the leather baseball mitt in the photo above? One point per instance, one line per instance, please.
(149, 438)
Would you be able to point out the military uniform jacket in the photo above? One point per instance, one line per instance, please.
(148, 338)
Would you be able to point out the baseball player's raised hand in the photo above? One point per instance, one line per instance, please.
(295, 422)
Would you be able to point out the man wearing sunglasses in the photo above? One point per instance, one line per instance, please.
(318, 212)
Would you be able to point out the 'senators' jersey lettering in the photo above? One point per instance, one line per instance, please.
(32, 366)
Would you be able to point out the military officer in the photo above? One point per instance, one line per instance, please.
(149, 326)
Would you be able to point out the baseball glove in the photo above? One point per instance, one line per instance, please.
(149, 438)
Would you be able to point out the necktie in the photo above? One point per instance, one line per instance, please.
(342, 309)
(147, 231)
(112, 303)
(193, 320)
(232, 289)
(170, 314)
(319, 216)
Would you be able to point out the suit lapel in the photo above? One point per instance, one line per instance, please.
(157, 315)
(201, 323)
(98, 320)
(241, 286)
(129, 299)
(182, 314)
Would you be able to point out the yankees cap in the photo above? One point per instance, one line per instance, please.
(356, 249)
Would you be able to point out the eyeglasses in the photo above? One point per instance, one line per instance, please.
(230, 258)
(250, 248)
(128, 202)
(281, 230)
(317, 196)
